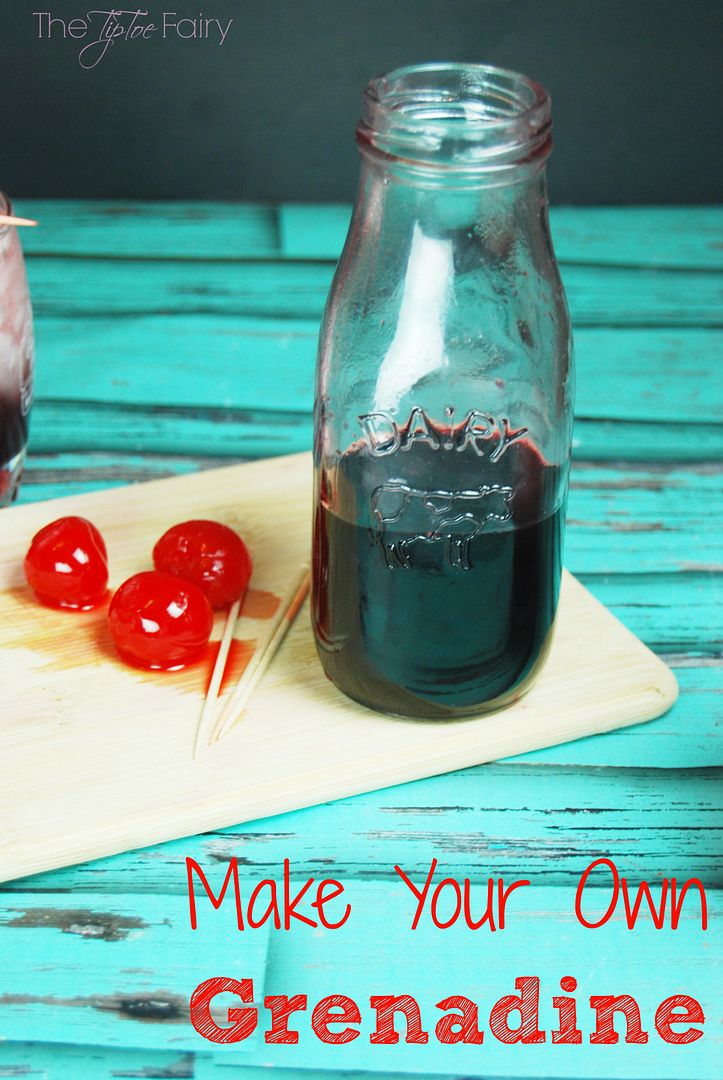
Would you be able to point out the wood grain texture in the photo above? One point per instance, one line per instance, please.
(239, 433)
(615, 296)
(268, 364)
(662, 237)
(56, 1061)
(128, 397)
(218, 1067)
(142, 782)
(625, 518)
(118, 1002)
(483, 965)
(546, 823)
(138, 230)
(82, 969)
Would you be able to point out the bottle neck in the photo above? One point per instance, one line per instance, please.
(492, 211)
(461, 125)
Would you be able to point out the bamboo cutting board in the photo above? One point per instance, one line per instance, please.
(97, 758)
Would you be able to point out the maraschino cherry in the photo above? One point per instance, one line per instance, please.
(67, 565)
(159, 621)
(209, 554)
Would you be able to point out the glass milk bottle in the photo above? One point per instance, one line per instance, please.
(16, 359)
(443, 412)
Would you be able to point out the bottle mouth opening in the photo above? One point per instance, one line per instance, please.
(459, 116)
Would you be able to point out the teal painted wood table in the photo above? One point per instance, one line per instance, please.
(176, 337)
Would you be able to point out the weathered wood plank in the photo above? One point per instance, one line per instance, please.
(661, 519)
(690, 236)
(608, 296)
(222, 1067)
(40, 1061)
(642, 236)
(225, 361)
(541, 938)
(227, 433)
(237, 433)
(634, 519)
(202, 360)
(148, 230)
(109, 971)
(79, 468)
(108, 287)
(668, 625)
(54, 1061)
(546, 823)
(671, 613)
(689, 736)
(611, 440)
(640, 374)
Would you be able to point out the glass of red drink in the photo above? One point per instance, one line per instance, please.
(16, 358)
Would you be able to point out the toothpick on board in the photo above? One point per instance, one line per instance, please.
(217, 677)
(284, 617)
(10, 219)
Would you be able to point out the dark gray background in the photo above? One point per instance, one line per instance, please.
(636, 88)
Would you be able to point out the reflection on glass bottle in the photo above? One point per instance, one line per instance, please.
(444, 402)
(16, 359)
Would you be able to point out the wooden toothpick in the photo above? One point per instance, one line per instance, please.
(217, 677)
(10, 219)
(284, 617)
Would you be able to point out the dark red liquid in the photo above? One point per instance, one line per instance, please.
(13, 428)
(13, 437)
(436, 577)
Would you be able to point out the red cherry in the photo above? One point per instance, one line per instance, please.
(159, 621)
(67, 564)
(210, 555)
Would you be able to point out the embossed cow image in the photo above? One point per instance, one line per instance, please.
(428, 517)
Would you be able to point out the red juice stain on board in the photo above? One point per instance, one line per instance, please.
(78, 640)
(259, 604)
(66, 640)
(69, 641)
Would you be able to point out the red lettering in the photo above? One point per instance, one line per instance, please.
(322, 1016)
(419, 896)
(605, 1008)
(322, 899)
(503, 894)
(527, 1005)
(192, 868)
(665, 1016)
(435, 900)
(272, 909)
(581, 888)
(631, 915)
(568, 1033)
(290, 902)
(677, 905)
(386, 1007)
(489, 912)
(281, 1008)
(243, 1021)
(456, 1028)
(462, 900)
